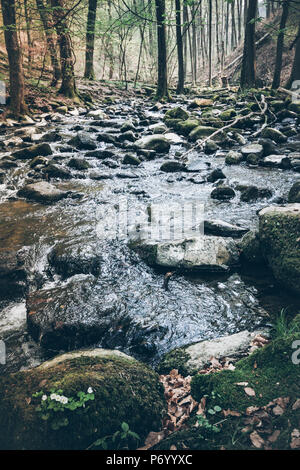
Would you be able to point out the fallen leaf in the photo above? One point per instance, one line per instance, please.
(278, 411)
(257, 440)
(152, 439)
(274, 436)
(249, 391)
(231, 413)
(296, 405)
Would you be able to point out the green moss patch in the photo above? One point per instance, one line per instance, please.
(125, 391)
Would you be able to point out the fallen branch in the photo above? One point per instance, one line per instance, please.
(200, 143)
(293, 94)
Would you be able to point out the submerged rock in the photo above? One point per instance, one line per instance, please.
(42, 192)
(13, 272)
(223, 193)
(117, 383)
(83, 141)
(279, 228)
(172, 166)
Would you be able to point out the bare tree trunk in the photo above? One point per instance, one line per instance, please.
(28, 32)
(180, 84)
(248, 73)
(90, 40)
(210, 42)
(280, 42)
(185, 15)
(17, 101)
(68, 85)
(162, 80)
(50, 41)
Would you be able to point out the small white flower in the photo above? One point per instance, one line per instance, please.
(64, 400)
(90, 390)
(53, 396)
(44, 397)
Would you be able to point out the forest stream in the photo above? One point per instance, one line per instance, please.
(66, 287)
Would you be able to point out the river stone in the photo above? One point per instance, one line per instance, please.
(294, 193)
(201, 132)
(223, 229)
(200, 103)
(13, 272)
(277, 161)
(193, 254)
(57, 171)
(233, 158)
(158, 128)
(119, 383)
(83, 141)
(216, 175)
(156, 142)
(96, 114)
(256, 149)
(176, 113)
(185, 127)
(273, 134)
(228, 114)
(210, 146)
(75, 257)
(130, 159)
(279, 228)
(222, 193)
(43, 192)
(236, 345)
(39, 150)
(172, 166)
(79, 164)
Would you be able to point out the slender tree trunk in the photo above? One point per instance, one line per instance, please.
(68, 85)
(185, 15)
(28, 32)
(50, 41)
(180, 84)
(162, 81)
(210, 42)
(17, 101)
(90, 40)
(280, 42)
(248, 73)
(295, 73)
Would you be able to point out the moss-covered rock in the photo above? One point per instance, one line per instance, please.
(269, 371)
(273, 134)
(176, 359)
(125, 390)
(200, 132)
(279, 229)
(227, 115)
(185, 127)
(176, 113)
(294, 192)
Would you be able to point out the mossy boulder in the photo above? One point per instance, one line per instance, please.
(125, 390)
(273, 134)
(233, 158)
(279, 228)
(186, 127)
(250, 249)
(294, 192)
(269, 371)
(176, 113)
(228, 114)
(200, 132)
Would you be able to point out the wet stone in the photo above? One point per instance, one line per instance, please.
(42, 192)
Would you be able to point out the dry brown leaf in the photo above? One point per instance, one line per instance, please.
(152, 439)
(173, 447)
(274, 436)
(296, 405)
(249, 391)
(231, 413)
(278, 411)
(251, 409)
(256, 440)
(295, 444)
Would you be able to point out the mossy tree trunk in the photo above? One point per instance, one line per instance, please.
(248, 73)
(46, 21)
(16, 75)
(280, 42)
(162, 82)
(90, 40)
(68, 85)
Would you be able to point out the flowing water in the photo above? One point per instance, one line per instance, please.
(125, 304)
